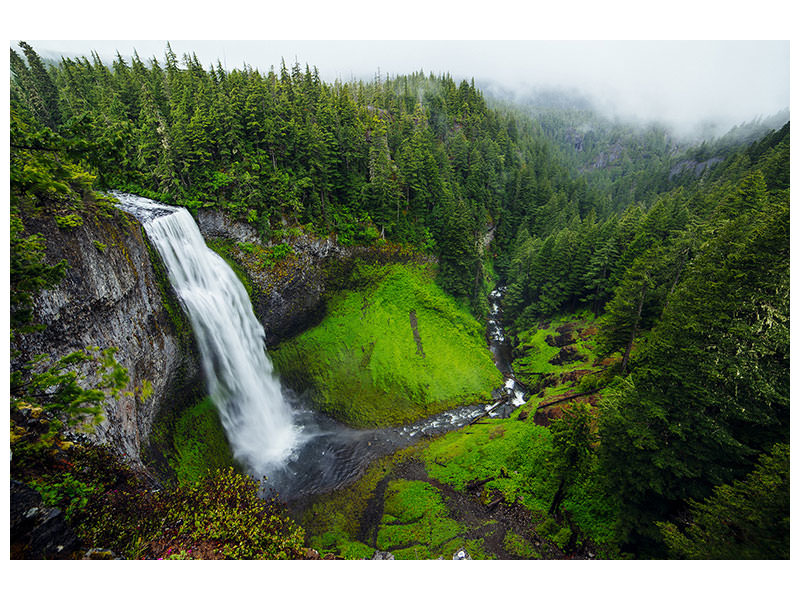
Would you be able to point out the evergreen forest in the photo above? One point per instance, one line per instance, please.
(663, 263)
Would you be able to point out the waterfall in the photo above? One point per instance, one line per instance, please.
(257, 419)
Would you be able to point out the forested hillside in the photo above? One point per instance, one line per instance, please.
(677, 255)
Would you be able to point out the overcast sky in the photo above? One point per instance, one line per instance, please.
(681, 82)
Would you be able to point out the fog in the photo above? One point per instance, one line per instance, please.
(682, 84)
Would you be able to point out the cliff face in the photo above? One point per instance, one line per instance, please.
(289, 297)
(115, 294)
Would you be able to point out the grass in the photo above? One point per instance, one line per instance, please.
(366, 365)
(519, 546)
(415, 521)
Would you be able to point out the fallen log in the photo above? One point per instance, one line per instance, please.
(485, 413)
(572, 397)
(477, 483)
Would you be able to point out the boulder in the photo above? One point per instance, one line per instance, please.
(38, 531)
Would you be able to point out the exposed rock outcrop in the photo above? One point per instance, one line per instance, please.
(115, 294)
(287, 299)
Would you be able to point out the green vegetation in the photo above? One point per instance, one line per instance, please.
(108, 506)
(747, 520)
(199, 442)
(390, 353)
(415, 521)
(519, 546)
(509, 451)
(538, 349)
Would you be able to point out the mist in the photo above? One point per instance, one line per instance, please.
(688, 86)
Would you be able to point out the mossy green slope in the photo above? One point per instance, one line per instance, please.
(396, 351)
(200, 443)
(512, 452)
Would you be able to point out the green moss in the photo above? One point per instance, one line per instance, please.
(69, 221)
(533, 354)
(415, 517)
(393, 352)
(561, 538)
(200, 443)
(513, 452)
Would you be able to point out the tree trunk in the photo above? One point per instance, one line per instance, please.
(635, 327)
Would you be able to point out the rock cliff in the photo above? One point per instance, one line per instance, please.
(115, 294)
(290, 297)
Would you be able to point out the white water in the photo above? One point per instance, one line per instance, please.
(257, 419)
(497, 337)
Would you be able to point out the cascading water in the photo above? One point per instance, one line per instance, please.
(257, 419)
(501, 350)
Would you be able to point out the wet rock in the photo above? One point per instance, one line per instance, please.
(291, 296)
(379, 555)
(99, 554)
(310, 554)
(462, 554)
(215, 224)
(38, 531)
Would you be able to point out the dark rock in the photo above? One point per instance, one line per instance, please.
(114, 298)
(564, 339)
(291, 297)
(568, 354)
(310, 554)
(38, 531)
